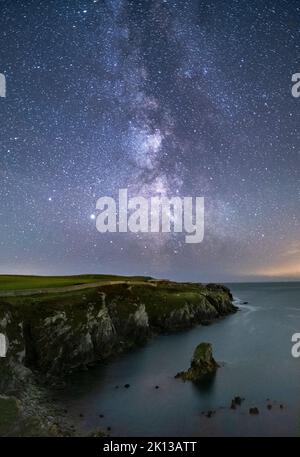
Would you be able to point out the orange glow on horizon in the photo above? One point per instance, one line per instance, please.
(284, 271)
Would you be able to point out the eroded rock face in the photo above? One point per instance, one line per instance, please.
(13, 372)
(52, 334)
(58, 333)
(203, 364)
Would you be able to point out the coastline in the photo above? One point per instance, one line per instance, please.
(51, 336)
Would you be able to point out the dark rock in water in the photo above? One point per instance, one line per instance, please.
(281, 406)
(233, 405)
(236, 401)
(269, 406)
(245, 303)
(127, 386)
(156, 387)
(81, 415)
(253, 411)
(109, 429)
(202, 364)
(101, 415)
(209, 414)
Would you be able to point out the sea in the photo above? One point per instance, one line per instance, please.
(254, 350)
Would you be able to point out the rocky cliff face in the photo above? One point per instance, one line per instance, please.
(55, 334)
(49, 335)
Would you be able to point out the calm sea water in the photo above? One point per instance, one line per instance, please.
(254, 347)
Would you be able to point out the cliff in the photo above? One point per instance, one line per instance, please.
(56, 333)
(51, 334)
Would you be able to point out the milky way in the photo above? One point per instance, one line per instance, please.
(188, 98)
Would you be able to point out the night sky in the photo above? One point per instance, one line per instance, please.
(187, 98)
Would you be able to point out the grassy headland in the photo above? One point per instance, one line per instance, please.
(20, 282)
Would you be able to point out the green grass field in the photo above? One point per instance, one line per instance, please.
(166, 298)
(11, 282)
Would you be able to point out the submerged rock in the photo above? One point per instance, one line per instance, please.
(236, 401)
(202, 364)
(254, 411)
(209, 414)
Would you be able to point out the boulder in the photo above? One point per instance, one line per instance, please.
(202, 364)
(236, 401)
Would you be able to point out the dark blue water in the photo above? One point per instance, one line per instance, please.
(254, 347)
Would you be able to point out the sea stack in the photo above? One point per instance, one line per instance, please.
(202, 364)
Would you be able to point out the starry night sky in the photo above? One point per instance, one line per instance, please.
(188, 98)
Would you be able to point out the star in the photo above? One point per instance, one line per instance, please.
(145, 96)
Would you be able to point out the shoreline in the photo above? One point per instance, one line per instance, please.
(42, 331)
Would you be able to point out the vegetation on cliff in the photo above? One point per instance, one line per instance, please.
(53, 332)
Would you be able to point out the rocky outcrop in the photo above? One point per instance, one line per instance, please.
(57, 333)
(31, 415)
(202, 365)
(50, 335)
